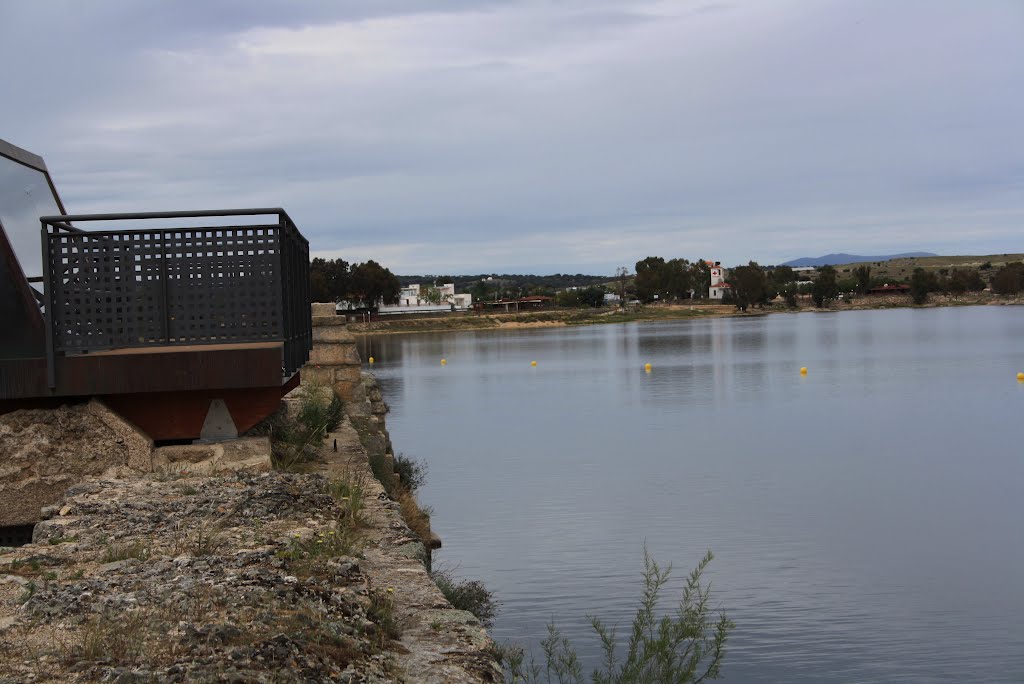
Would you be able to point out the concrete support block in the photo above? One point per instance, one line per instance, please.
(330, 321)
(332, 333)
(334, 354)
(323, 309)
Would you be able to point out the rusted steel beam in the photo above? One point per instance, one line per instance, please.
(163, 369)
(180, 415)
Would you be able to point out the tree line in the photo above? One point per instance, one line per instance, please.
(364, 285)
(1008, 280)
(655, 279)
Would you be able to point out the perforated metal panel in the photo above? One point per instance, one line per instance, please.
(138, 288)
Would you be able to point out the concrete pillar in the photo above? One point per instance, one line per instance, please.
(334, 360)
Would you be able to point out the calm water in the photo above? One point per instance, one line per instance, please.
(866, 519)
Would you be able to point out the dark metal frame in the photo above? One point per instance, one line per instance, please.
(149, 287)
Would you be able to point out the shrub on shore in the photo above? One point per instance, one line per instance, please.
(411, 472)
(686, 647)
(468, 595)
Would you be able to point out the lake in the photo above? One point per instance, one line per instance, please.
(866, 518)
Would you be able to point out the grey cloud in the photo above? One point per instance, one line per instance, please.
(578, 136)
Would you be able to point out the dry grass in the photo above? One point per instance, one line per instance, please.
(417, 520)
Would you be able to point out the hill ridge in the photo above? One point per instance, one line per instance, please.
(842, 258)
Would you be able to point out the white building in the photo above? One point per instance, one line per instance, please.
(718, 285)
(412, 299)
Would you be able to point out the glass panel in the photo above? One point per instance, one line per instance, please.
(24, 197)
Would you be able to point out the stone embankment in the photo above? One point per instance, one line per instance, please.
(195, 572)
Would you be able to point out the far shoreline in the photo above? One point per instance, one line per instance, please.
(558, 318)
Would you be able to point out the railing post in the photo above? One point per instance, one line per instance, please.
(286, 310)
(165, 318)
(48, 299)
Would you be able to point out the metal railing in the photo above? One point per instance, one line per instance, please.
(150, 287)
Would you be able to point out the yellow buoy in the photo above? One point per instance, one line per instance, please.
(803, 370)
(533, 363)
(647, 367)
(370, 359)
(1020, 377)
(444, 362)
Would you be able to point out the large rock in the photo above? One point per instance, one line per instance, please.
(249, 453)
(44, 451)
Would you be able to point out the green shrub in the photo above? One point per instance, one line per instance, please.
(685, 647)
(319, 408)
(469, 595)
(412, 473)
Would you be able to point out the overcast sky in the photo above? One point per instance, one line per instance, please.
(468, 136)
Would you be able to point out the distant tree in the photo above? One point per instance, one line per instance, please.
(592, 296)
(965, 280)
(847, 285)
(430, 294)
(782, 275)
(749, 286)
(700, 279)
(921, 283)
(328, 280)
(650, 278)
(862, 274)
(621, 276)
(824, 289)
(371, 283)
(677, 279)
(1009, 279)
(789, 292)
(569, 299)
(318, 289)
(481, 291)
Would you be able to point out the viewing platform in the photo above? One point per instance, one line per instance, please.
(173, 326)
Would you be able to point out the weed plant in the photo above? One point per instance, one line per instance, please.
(469, 595)
(297, 440)
(342, 538)
(119, 552)
(686, 647)
(381, 612)
(411, 472)
(348, 493)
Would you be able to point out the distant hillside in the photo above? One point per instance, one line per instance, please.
(840, 259)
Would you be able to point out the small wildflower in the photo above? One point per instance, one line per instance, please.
(391, 590)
